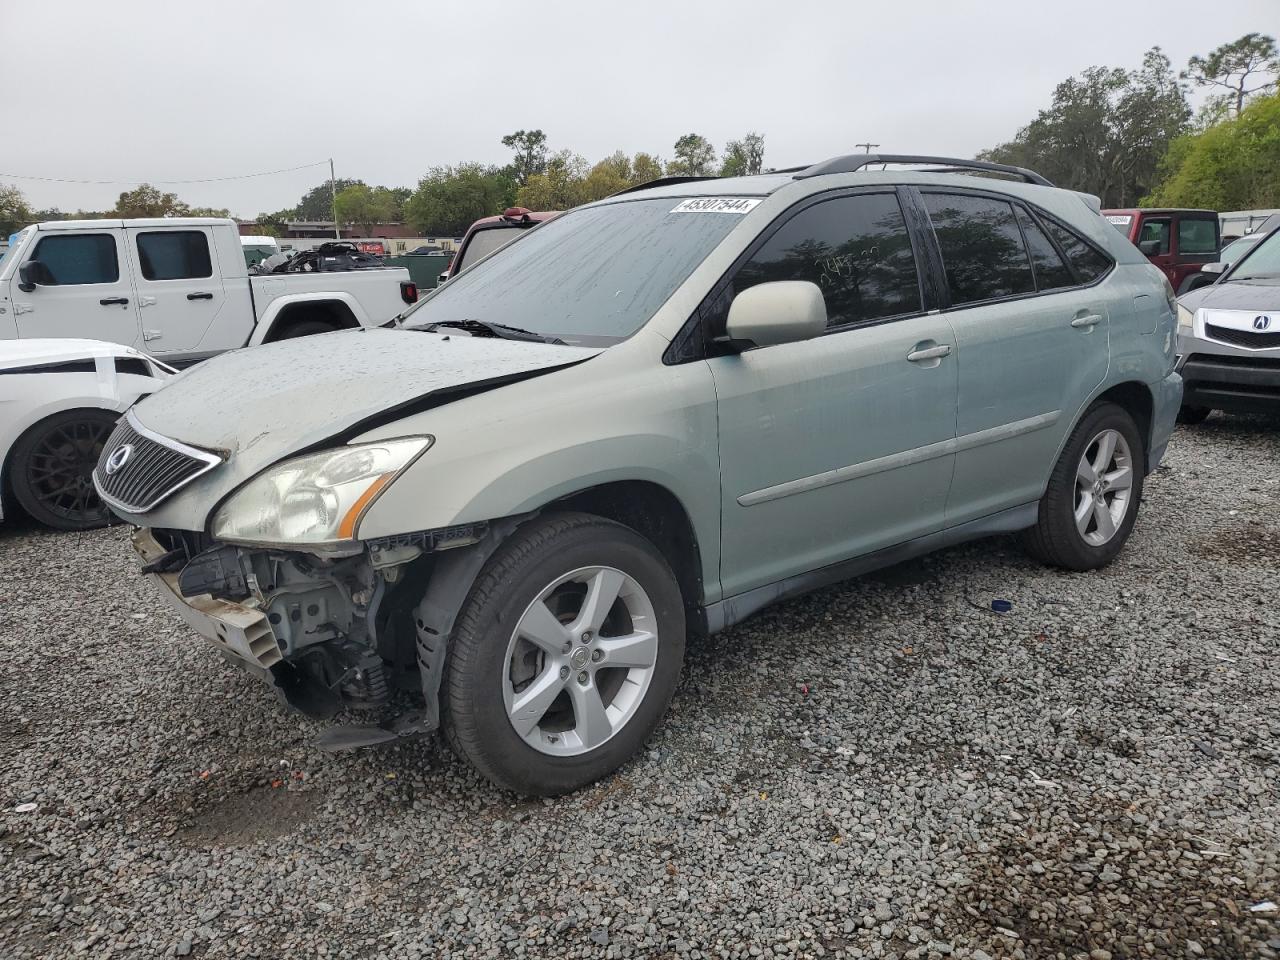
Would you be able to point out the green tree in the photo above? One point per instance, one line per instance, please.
(317, 204)
(1230, 67)
(530, 159)
(645, 167)
(14, 212)
(450, 199)
(365, 206)
(1233, 165)
(559, 187)
(148, 201)
(694, 157)
(743, 157)
(1105, 131)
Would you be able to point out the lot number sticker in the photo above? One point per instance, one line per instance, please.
(718, 205)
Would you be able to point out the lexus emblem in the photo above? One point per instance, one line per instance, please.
(119, 457)
(1261, 323)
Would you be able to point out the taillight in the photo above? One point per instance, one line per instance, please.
(409, 292)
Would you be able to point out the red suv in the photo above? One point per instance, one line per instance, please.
(1179, 242)
(490, 233)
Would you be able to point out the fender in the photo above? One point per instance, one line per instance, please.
(277, 306)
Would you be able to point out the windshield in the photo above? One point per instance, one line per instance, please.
(14, 243)
(591, 277)
(1262, 262)
(484, 242)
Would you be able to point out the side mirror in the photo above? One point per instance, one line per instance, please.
(1149, 248)
(30, 274)
(1204, 277)
(1215, 269)
(783, 311)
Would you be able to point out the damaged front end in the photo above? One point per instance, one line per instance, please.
(325, 632)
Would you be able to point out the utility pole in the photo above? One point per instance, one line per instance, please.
(333, 200)
(866, 146)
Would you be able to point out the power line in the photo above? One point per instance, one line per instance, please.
(166, 183)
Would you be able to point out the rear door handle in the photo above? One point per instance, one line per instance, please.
(110, 301)
(1091, 320)
(199, 296)
(930, 353)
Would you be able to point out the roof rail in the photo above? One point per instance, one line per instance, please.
(661, 182)
(856, 161)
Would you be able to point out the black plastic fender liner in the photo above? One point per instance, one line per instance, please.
(433, 618)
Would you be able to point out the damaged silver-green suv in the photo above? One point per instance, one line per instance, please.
(652, 415)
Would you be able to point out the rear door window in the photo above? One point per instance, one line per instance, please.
(174, 255)
(78, 258)
(982, 249)
(1051, 270)
(1196, 236)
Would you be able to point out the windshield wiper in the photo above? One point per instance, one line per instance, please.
(485, 329)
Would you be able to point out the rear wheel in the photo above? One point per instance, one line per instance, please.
(565, 655)
(1193, 415)
(1091, 503)
(52, 469)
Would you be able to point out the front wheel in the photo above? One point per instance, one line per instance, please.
(52, 469)
(1091, 504)
(565, 655)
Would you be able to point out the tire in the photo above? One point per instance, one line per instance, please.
(491, 664)
(1058, 539)
(1193, 415)
(51, 469)
(305, 328)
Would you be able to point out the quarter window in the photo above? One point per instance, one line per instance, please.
(1088, 263)
(1197, 236)
(174, 255)
(982, 248)
(856, 249)
(1051, 270)
(78, 258)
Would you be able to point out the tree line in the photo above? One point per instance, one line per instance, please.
(1131, 137)
(1128, 136)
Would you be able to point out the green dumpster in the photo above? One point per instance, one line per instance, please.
(424, 269)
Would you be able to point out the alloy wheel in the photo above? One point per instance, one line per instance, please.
(1104, 486)
(580, 661)
(59, 471)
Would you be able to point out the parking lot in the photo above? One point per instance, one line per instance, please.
(885, 768)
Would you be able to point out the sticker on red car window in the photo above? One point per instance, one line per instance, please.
(717, 205)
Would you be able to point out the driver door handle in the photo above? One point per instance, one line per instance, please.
(1090, 320)
(109, 301)
(199, 296)
(930, 353)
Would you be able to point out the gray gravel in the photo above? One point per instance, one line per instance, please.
(883, 769)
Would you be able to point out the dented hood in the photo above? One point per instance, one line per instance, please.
(260, 404)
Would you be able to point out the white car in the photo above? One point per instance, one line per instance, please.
(59, 401)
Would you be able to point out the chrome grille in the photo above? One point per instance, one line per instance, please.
(139, 469)
(1243, 338)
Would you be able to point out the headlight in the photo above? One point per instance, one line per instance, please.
(1186, 321)
(317, 499)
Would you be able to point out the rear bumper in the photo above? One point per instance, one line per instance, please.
(1168, 395)
(242, 633)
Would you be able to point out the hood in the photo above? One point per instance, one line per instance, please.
(1235, 295)
(257, 405)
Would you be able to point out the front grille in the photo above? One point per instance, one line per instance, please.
(152, 469)
(1243, 338)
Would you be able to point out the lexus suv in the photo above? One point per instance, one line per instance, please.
(1229, 334)
(654, 415)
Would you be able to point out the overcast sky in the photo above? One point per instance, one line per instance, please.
(132, 90)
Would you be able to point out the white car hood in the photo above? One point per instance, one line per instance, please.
(258, 405)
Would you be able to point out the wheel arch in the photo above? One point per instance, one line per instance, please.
(1137, 399)
(341, 310)
(35, 419)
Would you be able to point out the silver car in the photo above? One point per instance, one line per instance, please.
(653, 415)
(1229, 334)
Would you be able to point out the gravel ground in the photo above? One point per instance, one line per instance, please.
(882, 769)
